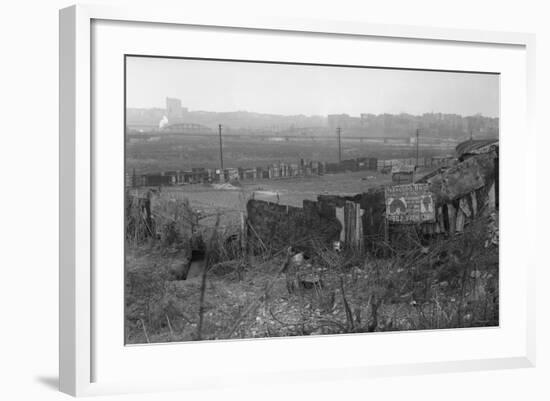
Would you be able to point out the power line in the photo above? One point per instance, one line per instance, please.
(221, 147)
(417, 144)
(339, 133)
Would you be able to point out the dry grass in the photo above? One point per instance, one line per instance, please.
(452, 283)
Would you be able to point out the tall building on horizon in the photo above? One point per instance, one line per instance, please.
(174, 111)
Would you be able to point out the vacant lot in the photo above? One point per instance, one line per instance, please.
(187, 152)
(230, 200)
(287, 191)
(453, 283)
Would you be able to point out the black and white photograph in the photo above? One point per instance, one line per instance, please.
(266, 199)
(233, 200)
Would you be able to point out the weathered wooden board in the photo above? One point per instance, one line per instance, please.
(451, 213)
(340, 216)
(350, 217)
(462, 179)
(411, 203)
(460, 219)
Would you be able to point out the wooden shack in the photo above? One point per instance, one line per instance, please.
(402, 174)
(467, 189)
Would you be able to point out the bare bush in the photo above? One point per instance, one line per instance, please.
(448, 282)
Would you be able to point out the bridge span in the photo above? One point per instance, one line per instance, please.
(192, 130)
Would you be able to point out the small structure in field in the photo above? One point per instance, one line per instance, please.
(231, 174)
(402, 174)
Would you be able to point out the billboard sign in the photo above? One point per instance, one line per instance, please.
(410, 203)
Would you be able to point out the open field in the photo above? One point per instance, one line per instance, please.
(188, 152)
(290, 191)
(230, 200)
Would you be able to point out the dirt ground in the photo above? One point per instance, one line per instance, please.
(229, 200)
(331, 293)
(207, 199)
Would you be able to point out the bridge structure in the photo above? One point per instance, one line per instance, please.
(182, 130)
(187, 128)
(141, 127)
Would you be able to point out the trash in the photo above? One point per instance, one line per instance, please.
(298, 259)
(309, 281)
(225, 186)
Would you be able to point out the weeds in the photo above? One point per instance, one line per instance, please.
(453, 282)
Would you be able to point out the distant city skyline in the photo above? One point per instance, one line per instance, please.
(311, 90)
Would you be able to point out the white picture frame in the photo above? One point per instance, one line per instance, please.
(77, 343)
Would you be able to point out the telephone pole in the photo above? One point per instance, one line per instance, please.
(417, 143)
(339, 133)
(221, 148)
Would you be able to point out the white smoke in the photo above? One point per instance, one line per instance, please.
(163, 122)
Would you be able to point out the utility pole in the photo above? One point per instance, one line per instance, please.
(339, 133)
(221, 148)
(471, 135)
(417, 143)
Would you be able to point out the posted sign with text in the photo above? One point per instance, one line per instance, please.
(411, 203)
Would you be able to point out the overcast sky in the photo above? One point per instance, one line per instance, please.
(310, 90)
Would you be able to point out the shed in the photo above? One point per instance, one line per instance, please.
(402, 174)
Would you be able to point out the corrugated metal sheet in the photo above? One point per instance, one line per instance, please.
(475, 146)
